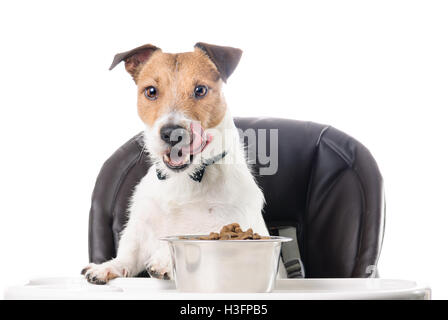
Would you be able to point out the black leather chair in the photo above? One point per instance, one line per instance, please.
(328, 189)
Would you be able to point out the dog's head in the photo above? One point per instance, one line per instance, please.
(179, 97)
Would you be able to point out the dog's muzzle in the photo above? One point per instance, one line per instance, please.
(183, 144)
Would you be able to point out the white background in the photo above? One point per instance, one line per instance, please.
(377, 70)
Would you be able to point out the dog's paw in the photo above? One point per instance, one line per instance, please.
(159, 266)
(101, 273)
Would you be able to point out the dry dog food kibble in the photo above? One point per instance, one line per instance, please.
(233, 232)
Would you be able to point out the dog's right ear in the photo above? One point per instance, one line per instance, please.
(134, 59)
(225, 58)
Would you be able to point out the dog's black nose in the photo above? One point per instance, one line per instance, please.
(173, 134)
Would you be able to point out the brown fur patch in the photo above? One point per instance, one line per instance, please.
(175, 77)
(111, 276)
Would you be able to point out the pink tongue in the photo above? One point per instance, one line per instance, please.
(197, 144)
(199, 140)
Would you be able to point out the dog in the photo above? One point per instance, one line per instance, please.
(199, 180)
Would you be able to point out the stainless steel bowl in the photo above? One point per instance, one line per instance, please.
(225, 265)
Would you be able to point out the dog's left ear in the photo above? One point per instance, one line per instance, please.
(134, 59)
(225, 58)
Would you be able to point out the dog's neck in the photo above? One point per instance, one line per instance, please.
(198, 174)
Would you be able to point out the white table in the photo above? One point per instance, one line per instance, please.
(286, 289)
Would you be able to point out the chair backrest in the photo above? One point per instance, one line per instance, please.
(327, 188)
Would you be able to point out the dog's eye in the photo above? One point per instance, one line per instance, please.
(151, 93)
(200, 91)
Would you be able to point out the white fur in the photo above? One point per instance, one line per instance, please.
(178, 205)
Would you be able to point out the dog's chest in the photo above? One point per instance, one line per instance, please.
(200, 218)
(168, 208)
(197, 217)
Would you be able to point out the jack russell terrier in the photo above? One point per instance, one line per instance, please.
(199, 179)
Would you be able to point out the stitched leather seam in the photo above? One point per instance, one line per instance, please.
(337, 150)
(361, 186)
(321, 134)
(333, 184)
(364, 204)
(363, 194)
(363, 217)
(310, 183)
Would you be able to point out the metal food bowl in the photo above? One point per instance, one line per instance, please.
(224, 265)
